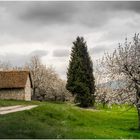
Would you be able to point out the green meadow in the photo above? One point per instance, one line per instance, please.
(65, 120)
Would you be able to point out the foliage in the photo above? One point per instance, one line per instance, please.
(47, 84)
(124, 63)
(108, 95)
(80, 80)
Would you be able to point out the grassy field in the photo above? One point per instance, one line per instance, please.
(4, 103)
(61, 120)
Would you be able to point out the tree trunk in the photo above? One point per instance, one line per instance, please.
(138, 104)
(55, 98)
(138, 109)
(34, 93)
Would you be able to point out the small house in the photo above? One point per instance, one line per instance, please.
(15, 85)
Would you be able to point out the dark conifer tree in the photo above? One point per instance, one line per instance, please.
(80, 79)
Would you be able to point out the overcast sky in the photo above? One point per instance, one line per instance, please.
(47, 29)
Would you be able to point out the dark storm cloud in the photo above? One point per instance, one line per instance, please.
(60, 13)
(115, 6)
(38, 21)
(61, 53)
(126, 5)
(86, 13)
(49, 12)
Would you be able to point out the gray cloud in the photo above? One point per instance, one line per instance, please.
(39, 53)
(125, 5)
(20, 59)
(61, 53)
(98, 49)
(49, 12)
(55, 25)
(14, 59)
(48, 21)
(87, 13)
(61, 13)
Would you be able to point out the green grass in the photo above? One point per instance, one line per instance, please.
(61, 120)
(4, 103)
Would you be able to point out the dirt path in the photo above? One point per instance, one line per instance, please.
(11, 109)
